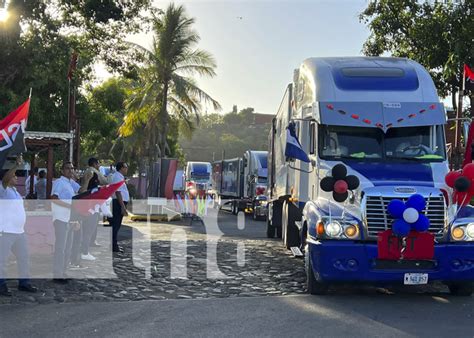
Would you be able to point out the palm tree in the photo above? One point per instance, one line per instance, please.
(165, 84)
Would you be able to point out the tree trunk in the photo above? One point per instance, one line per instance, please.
(164, 119)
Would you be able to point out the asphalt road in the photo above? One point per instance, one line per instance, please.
(302, 316)
(349, 311)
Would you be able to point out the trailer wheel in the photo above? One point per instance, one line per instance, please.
(270, 230)
(279, 232)
(461, 289)
(291, 236)
(314, 287)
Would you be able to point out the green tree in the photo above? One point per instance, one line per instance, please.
(165, 86)
(436, 34)
(36, 45)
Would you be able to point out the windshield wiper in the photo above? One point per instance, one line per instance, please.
(403, 158)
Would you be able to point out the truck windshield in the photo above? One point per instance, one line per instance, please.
(425, 143)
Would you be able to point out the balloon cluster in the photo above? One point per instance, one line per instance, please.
(408, 216)
(462, 181)
(339, 183)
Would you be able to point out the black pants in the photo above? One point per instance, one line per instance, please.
(116, 221)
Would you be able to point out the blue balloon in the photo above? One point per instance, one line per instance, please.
(396, 208)
(401, 228)
(423, 224)
(416, 201)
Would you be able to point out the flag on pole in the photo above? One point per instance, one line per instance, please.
(293, 147)
(469, 146)
(468, 79)
(90, 201)
(12, 132)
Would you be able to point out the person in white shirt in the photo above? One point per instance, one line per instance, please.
(12, 233)
(119, 203)
(61, 195)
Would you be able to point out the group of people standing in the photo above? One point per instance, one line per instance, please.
(74, 235)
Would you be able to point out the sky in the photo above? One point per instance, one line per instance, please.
(257, 44)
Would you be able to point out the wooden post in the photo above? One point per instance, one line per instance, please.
(49, 174)
(31, 188)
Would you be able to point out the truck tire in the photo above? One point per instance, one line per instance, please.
(270, 229)
(275, 221)
(314, 287)
(461, 289)
(291, 235)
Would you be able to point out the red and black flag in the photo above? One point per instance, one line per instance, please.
(90, 201)
(468, 79)
(12, 132)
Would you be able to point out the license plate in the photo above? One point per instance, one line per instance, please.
(416, 278)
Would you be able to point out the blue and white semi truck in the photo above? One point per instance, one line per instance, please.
(382, 119)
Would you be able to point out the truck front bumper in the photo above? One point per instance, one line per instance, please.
(347, 261)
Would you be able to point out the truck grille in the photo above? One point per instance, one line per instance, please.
(378, 219)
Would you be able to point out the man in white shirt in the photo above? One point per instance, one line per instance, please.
(119, 203)
(12, 233)
(62, 194)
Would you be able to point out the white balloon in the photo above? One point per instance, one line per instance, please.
(410, 215)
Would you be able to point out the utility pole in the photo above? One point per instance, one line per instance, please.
(73, 121)
(457, 159)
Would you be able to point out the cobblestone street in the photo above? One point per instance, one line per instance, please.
(267, 269)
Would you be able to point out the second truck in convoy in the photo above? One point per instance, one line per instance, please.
(242, 182)
(380, 120)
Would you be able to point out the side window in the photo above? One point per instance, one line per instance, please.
(312, 138)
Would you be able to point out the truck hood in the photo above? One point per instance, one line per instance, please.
(386, 174)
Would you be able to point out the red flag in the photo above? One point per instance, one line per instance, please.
(468, 78)
(90, 201)
(12, 130)
(469, 146)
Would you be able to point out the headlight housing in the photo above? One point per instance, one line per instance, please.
(333, 229)
(463, 232)
(340, 229)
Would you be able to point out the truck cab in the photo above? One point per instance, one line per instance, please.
(382, 120)
(198, 178)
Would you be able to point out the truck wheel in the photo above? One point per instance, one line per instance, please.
(461, 289)
(270, 230)
(290, 231)
(279, 234)
(314, 287)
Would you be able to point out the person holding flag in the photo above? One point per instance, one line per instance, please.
(119, 203)
(12, 232)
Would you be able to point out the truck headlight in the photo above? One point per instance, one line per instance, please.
(351, 231)
(458, 233)
(333, 229)
(470, 230)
